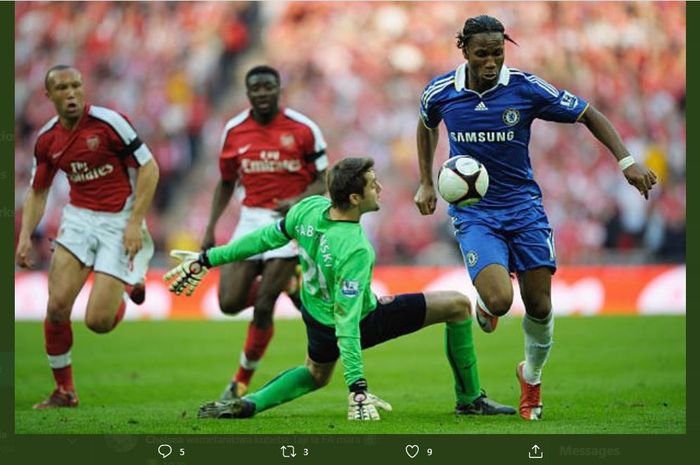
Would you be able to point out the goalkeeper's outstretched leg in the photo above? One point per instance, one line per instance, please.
(287, 386)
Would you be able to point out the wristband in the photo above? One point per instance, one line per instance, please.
(626, 162)
(204, 259)
(359, 386)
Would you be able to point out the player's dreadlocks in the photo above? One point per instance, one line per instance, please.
(477, 25)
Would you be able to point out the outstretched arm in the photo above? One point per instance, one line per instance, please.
(353, 278)
(261, 240)
(426, 140)
(635, 172)
(186, 276)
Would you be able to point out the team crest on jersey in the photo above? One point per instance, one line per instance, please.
(472, 258)
(511, 116)
(287, 140)
(92, 142)
(350, 288)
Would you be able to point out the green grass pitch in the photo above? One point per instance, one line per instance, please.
(605, 375)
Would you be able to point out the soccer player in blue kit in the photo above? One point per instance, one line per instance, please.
(488, 109)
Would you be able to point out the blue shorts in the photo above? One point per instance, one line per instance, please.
(520, 241)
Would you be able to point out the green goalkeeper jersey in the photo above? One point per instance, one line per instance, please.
(337, 262)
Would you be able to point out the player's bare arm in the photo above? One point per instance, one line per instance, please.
(317, 187)
(146, 182)
(222, 196)
(638, 175)
(32, 212)
(427, 139)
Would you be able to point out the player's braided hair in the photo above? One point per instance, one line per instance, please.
(262, 69)
(347, 177)
(477, 25)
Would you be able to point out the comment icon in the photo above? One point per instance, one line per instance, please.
(165, 450)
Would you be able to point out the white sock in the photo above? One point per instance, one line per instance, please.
(538, 342)
(248, 364)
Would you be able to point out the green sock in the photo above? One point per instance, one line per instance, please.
(286, 386)
(459, 347)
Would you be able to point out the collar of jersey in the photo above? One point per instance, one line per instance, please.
(461, 74)
(327, 217)
(280, 114)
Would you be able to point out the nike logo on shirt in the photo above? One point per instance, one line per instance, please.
(243, 149)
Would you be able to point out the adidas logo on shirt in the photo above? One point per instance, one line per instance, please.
(481, 107)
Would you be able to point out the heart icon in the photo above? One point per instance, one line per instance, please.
(412, 450)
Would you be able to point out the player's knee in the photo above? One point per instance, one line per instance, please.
(321, 379)
(57, 311)
(100, 324)
(539, 307)
(230, 306)
(460, 306)
(498, 302)
(321, 374)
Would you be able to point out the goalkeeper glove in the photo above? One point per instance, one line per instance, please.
(362, 405)
(188, 274)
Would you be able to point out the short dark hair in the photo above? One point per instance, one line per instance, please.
(477, 25)
(347, 177)
(51, 70)
(262, 69)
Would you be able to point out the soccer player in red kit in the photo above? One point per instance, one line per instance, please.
(112, 177)
(278, 157)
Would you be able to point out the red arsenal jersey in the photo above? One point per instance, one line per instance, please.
(95, 155)
(275, 161)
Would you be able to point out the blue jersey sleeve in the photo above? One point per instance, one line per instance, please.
(554, 104)
(429, 109)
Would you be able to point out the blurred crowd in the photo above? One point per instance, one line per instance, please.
(358, 69)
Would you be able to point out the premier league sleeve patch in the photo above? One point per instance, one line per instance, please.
(568, 100)
(350, 288)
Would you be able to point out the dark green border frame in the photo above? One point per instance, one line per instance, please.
(265, 449)
(7, 215)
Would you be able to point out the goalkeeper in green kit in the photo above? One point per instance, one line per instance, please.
(341, 314)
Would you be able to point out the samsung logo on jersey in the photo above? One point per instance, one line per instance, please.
(483, 136)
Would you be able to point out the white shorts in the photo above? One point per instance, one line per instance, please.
(97, 240)
(255, 218)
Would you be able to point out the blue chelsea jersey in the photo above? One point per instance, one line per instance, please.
(494, 127)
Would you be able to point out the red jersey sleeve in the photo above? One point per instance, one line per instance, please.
(43, 171)
(228, 162)
(228, 168)
(309, 148)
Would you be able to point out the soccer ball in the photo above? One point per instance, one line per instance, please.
(462, 181)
